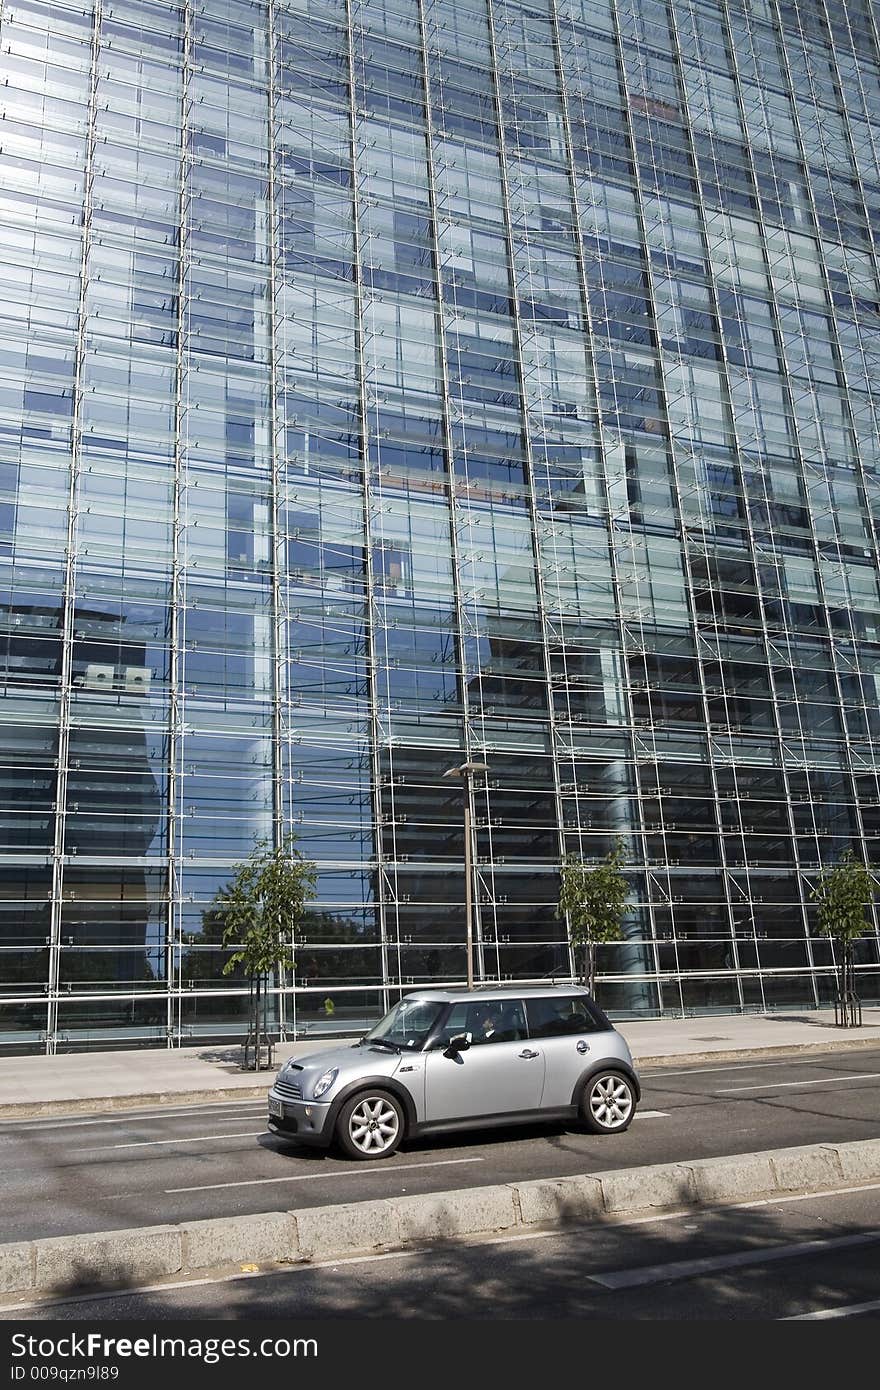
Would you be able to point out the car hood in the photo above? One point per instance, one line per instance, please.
(350, 1059)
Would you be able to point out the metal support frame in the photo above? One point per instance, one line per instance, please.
(70, 558)
(471, 744)
(284, 998)
(369, 596)
(466, 771)
(177, 597)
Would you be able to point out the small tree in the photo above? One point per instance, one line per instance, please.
(593, 900)
(842, 894)
(259, 911)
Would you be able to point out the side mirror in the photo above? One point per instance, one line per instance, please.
(460, 1043)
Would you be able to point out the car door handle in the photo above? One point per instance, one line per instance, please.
(527, 1053)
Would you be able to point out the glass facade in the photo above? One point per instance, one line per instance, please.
(392, 382)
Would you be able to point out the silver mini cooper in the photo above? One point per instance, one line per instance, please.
(447, 1059)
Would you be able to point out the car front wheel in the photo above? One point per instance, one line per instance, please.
(370, 1125)
(608, 1103)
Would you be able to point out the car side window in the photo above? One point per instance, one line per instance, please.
(456, 1022)
(487, 1021)
(482, 1023)
(504, 1022)
(559, 1016)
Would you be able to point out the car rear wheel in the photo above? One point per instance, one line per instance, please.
(370, 1125)
(608, 1103)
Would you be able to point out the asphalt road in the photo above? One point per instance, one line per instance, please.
(108, 1172)
(802, 1258)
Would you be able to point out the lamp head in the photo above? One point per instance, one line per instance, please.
(465, 769)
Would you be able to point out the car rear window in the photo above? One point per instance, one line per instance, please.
(560, 1015)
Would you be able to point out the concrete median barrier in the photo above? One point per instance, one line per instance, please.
(448, 1215)
(224, 1240)
(107, 1259)
(130, 1258)
(814, 1166)
(860, 1160)
(546, 1200)
(656, 1185)
(348, 1228)
(730, 1179)
(16, 1267)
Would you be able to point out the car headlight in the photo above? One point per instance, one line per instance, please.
(324, 1083)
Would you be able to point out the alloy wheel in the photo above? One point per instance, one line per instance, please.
(611, 1102)
(373, 1125)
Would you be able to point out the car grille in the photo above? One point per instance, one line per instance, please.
(290, 1090)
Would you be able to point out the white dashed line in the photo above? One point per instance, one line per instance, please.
(780, 1085)
(156, 1143)
(316, 1177)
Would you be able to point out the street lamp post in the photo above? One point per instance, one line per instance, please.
(466, 771)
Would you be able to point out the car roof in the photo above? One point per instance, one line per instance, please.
(496, 992)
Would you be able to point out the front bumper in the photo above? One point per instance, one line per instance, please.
(306, 1121)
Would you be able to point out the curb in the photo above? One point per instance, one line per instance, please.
(143, 1100)
(125, 1259)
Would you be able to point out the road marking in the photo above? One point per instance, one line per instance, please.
(690, 1269)
(808, 1196)
(652, 1115)
(849, 1312)
(155, 1143)
(316, 1177)
(735, 1066)
(778, 1085)
(121, 1117)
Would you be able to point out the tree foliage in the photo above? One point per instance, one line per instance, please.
(263, 905)
(843, 893)
(258, 912)
(594, 901)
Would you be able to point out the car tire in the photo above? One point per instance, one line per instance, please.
(370, 1125)
(608, 1102)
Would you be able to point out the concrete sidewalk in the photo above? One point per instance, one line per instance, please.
(105, 1081)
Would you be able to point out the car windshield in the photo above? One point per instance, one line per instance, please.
(407, 1024)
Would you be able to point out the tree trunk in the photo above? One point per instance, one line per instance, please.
(255, 1020)
(847, 1009)
(591, 968)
